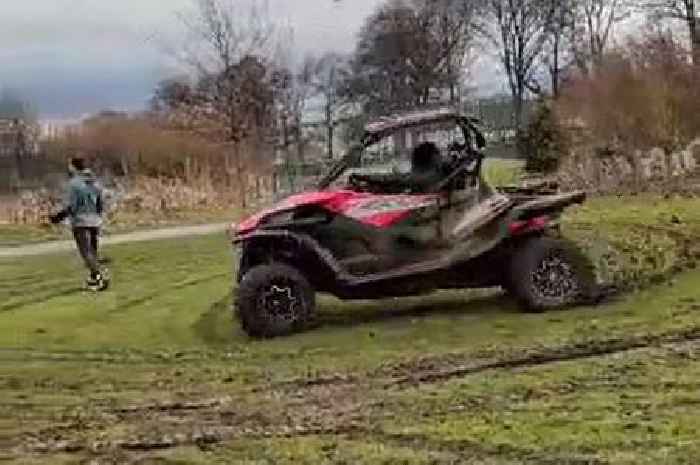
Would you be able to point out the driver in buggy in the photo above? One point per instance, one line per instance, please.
(427, 170)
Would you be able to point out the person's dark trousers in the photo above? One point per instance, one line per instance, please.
(96, 246)
(86, 240)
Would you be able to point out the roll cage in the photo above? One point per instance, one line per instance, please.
(385, 127)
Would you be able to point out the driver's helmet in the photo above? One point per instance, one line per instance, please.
(426, 157)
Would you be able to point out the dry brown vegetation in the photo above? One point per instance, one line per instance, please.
(155, 167)
(144, 146)
(128, 146)
(644, 96)
(639, 106)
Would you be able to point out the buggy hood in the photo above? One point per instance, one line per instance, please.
(380, 211)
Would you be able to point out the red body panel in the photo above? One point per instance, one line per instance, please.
(518, 228)
(381, 211)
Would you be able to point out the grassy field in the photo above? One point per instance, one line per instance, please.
(156, 370)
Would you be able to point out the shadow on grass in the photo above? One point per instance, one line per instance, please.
(217, 325)
(342, 314)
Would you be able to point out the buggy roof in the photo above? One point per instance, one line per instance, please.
(392, 123)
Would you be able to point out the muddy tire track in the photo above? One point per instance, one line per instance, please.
(458, 451)
(545, 356)
(428, 370)
(477, 452)
(331, 405)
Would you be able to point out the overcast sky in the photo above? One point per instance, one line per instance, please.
(72, 57)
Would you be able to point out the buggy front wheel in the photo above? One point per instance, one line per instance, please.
(274, 300)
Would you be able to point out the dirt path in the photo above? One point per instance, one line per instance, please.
(63, 246)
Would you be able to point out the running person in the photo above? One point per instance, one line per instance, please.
(83, 206)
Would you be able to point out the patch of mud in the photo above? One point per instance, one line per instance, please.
(439, 370)
(324, 380)
(119, 357)
(173, 406)
(329, 405)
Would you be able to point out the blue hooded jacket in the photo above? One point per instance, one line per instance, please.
(83, 202)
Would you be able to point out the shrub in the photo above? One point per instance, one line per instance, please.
(544, 142)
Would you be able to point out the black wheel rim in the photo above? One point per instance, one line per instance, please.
(281, 302)
(555, 279)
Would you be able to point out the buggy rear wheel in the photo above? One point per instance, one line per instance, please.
(548, 273)
(274, 300)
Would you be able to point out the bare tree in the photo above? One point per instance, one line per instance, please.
(325, 75)
(411, 53)
(558, 52)
(451, 25)
(521, 32)
(170, 93)
(228, 47)
(386, 60)
(286, 107)
(293, 87)
(594, 24)
(222, 32)
(686, 11)
(17, 121)
(20, 147)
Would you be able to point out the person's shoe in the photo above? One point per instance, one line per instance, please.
(105, 279)
(93, 282)
(97, 282)
(104, 285)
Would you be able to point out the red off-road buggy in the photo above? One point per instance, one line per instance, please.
(360, 236)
